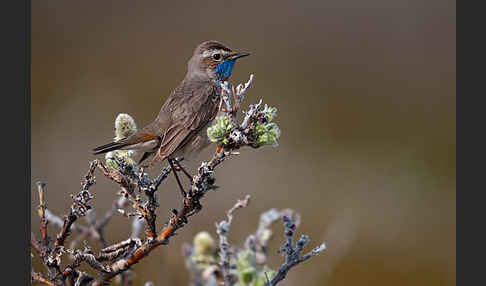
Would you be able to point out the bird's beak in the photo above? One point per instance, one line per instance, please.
(237, 55)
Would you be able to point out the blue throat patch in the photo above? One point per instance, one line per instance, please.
(225, 69)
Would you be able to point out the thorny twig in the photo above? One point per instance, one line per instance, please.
(96, 227)
(129, 180)
(52, 256)
(38, 277)
(222, 228)
(36, 244)
(258, 241)
(41, 187)
(237, 93)
(292, 253)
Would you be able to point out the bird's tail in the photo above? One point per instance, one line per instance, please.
(109, 147)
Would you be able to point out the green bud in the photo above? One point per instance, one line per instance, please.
(218, 132)
(268, 134)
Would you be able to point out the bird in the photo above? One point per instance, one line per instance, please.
(179, 130)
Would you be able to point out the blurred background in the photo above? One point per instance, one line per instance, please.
(366, 98)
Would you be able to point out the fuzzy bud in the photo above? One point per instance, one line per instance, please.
(268, 134)
(124, 126)
(204, 243)
(219, 131)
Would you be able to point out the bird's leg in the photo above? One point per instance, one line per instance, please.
(183, 170)
(177, 177)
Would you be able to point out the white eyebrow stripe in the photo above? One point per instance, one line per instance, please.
(208, 53)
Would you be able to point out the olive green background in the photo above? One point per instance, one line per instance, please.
(366, 95)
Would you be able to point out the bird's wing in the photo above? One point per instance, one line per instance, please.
(192, 106)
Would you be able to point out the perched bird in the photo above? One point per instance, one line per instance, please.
(180, 127)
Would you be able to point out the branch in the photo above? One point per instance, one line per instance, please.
(258, 241)
(222, 229)
(41, 188)
(129, 180)
(79, 206)
(293, 255)
(34, 243)
(38, 277)
(87, 256)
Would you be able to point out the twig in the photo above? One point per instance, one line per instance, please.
(35, 244)
(41, 187)
(237, 93)
(258, 241)
(129, 181)
(82, 278)
(222, 229)
(38, 277)
(88, 257)
(293, 254)
(79, 207)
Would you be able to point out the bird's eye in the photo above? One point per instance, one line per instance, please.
(216, 57)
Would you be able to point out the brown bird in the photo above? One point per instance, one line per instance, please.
(180, 127)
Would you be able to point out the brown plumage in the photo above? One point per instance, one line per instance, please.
(180, 127)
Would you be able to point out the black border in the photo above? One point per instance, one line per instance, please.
(15, 22)
(470, 49)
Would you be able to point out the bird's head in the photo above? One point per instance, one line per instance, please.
(214, 60)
